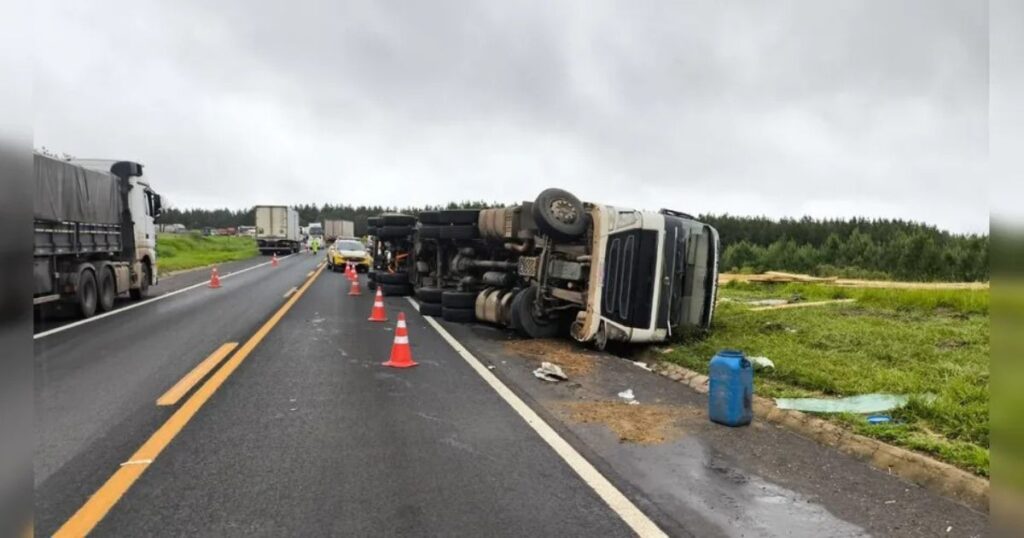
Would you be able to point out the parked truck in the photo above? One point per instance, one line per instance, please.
(94, 232)
(599, 272)
(277, 229)
(335, 228)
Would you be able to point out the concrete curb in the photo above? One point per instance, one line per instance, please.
(934, 475)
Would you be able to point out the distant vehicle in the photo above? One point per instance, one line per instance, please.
(603, 273)
(335, 228)
(171, 228)
(277, 229)
(347, 250)
(249, 231)
(94, 232)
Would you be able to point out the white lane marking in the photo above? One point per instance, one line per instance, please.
(140, 303)
(619, 503)
(289, 293)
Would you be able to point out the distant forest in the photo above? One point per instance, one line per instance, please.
(857, 248)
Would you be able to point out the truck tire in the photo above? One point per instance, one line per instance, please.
(394, 232)
(87, 294)
(430, 217)
(530, 325)
(400, 277)
(373, 221)
(396, 219)
(372, 230)
(458, 315)
(107, 290)
(429, 231)
(459, 299)
(143, 289)
(431, 309)
(429, 295)
(459, 232)
(395, 289)
(559, 215)
(459, 216)
(372, 285)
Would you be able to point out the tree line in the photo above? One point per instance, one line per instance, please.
(856, 248)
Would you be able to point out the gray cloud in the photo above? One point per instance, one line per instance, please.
(822, 108)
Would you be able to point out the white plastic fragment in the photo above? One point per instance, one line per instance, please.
(762, 363)
(642, 365)
(550, 372)
(628, 395)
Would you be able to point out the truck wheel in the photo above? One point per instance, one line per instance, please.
(429, 295)
(459, 232)
(107, 290)
(458, 315)
(400, 277)
(459, 299)
(394, 232)
(531, 325)
(395, 289)
(372, 285)
(372, 230)
(143, 289)
(459, 216)
(87, 297)
(396, 219)
(559, 215)
(431, 309)
(429, 231)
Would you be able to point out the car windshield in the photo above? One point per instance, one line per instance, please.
(348, 245)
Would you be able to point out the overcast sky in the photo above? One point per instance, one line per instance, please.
(828, 108)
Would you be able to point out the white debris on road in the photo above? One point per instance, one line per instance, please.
(628, 396)
(550, 372)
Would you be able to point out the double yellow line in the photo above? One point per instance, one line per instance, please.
(100, 503)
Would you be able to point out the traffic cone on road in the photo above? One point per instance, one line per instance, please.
(401, 354)
(352, 275)
(214, 278)
(273, 260)
(378, 314)
(354, 290)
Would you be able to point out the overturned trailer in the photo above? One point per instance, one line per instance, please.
(599, 272)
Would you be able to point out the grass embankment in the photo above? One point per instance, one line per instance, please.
(185, 251)
(930, 344)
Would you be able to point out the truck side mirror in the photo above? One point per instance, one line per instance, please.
(157, 206)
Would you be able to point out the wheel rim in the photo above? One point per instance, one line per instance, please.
(563, 211)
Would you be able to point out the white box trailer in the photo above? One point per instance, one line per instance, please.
(277, 229)
(336, 228)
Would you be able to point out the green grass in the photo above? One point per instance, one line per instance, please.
(917, 342)
(185, 251)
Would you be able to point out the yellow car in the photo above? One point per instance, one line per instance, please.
(345, 251)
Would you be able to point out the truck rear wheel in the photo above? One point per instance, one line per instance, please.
(431, 309)
(107, 289)
(87, 296)
(458, 315)
(459, 299)
(143, 289)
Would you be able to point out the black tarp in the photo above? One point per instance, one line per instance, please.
(67, 192)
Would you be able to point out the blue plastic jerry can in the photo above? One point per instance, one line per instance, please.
(730, 388)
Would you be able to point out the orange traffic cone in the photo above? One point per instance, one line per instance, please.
(354, 290)
(401, 354)
(273, 260)
(214, 278)
(378, 314)
(352, 275)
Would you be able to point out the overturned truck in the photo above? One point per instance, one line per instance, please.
(554, 265)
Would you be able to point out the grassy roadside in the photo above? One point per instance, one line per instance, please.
(919, 342)
(185, 251)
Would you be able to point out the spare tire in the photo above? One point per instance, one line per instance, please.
(459, 216)
(395, 289)
(459, 232)
(459, 299)
(394, 232)
(427, 294)
(560, 215)
(431, 309)
(398, 277)
(430, 217)
(458, 315)
(397, 219)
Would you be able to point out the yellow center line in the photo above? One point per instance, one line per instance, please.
(293, 289)
(94, 509)
(186, 383)
(309, 274)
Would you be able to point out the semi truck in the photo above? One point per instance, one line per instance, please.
(335, 228)
(94, 232)
(277, 229)
(556, 265)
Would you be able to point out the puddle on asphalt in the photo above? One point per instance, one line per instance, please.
(714, 498)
